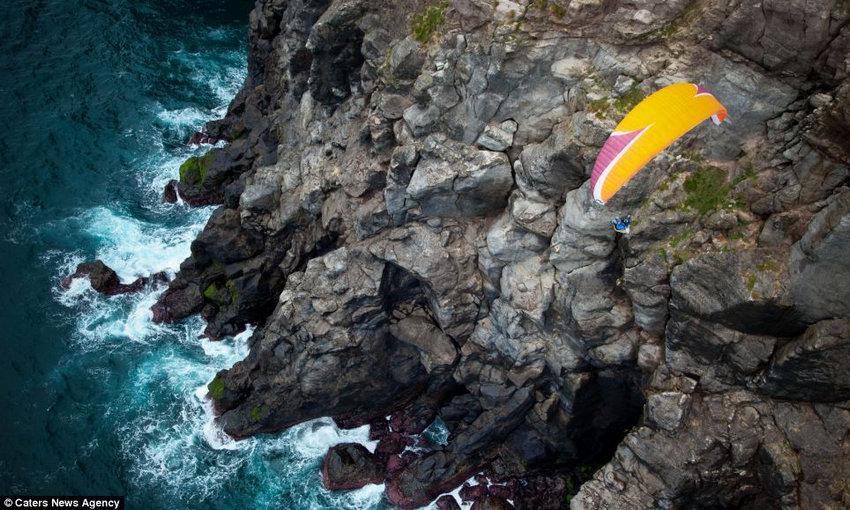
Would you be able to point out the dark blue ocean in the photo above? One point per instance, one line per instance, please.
(97, 100)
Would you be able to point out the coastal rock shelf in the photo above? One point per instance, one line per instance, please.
(405, 218)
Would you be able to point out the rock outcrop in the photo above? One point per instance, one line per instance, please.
(405, 217)
(105, 280)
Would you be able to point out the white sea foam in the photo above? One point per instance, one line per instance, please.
(164, 420)
(189, 117)
(133, 247)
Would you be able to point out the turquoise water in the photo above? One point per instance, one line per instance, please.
(98, 99)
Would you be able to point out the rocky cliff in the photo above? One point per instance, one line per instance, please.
(405, 217)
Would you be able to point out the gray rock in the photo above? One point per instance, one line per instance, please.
(528, 285)
(536, 217)
(666, 410)
(746, 291)
(552, 168)
(498, 138)
(417, 330)
(820, 267)
(422, 120)
(418, 269)
(406, 59)
(454, 180)
(814, 366)
(509, 242)
(402, 165)
(259, 197)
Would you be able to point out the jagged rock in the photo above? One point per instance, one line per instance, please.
(260, 197)
(508, 242)
(710, 464)
(224, 240)
(553, 167)
(498, 138)
(169, 193)
(105, 280)
(447, 502)
(417, 330)
(392, 444)
(344, 289)
(529, 286)
(667, 410)
(402, 165)
(778, 35)
(394, 268)
(378, 429)
(405, 59)
(491, 503)
(819, 267)
(452, 180)
(536, 217)
(182, 299)
(745, 291)
(350, 466)
(470, 493)
(814, 366)
(202, 137)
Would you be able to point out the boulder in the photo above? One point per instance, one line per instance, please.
(169, 193)
(349, 466)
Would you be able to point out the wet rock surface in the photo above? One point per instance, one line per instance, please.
(105, 280)
(405, 219)
(350, 466)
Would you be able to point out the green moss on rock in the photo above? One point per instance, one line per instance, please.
(193, 171)
(216, 388)
(259, 412)
(222, 295)
(629, 100)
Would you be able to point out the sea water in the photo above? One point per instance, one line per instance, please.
(98, 100)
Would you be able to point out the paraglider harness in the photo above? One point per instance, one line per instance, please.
(622, 226)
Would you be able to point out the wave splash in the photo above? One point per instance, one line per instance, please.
(158, 411)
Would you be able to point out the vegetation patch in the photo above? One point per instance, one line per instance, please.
(628, 100)
(678, 238)
(216, 387)
(426, 23)
(558, 10)
(706, 189)
(259, 412)
(767, 265)
(222, 295)
(598, 107)
(193, 171)
(751, 282)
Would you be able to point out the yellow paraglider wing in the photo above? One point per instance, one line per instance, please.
(649, 128)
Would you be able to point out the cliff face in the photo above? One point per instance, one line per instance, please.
(406, 217)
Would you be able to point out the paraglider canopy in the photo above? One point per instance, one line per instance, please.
(646, 130)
